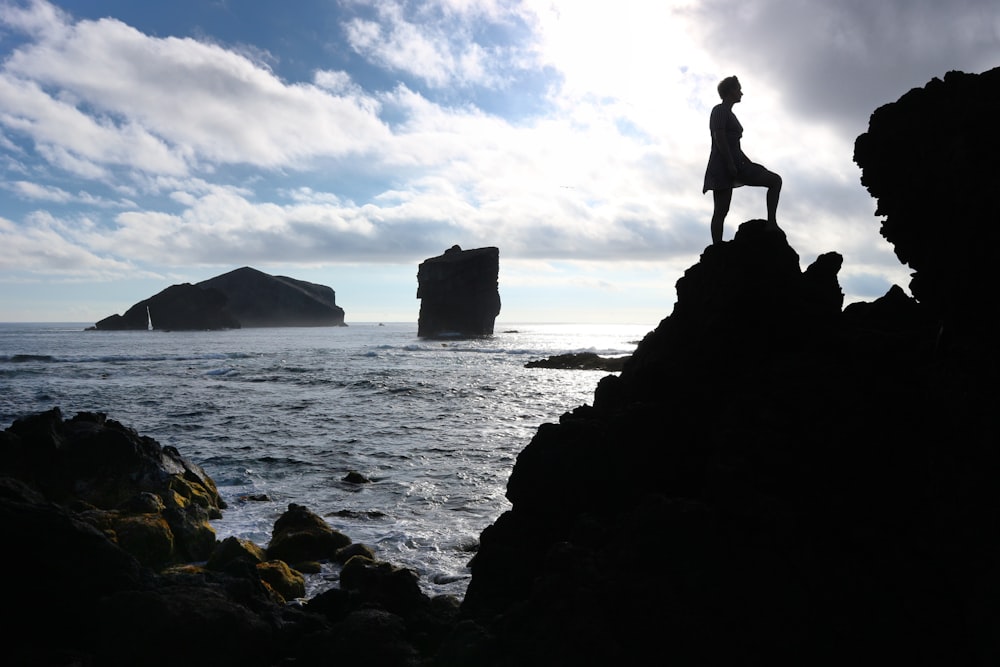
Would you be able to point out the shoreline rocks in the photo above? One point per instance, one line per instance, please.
(109, 541)
(586, 361)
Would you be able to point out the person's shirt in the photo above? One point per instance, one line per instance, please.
(724, 119)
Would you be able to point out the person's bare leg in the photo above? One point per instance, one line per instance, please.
(722, 199)
(771, 181)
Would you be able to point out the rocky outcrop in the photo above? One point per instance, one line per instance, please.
(458, 293)
(184, 307)
(104, 542)
(768, 481)
(932, 173)
(148, 499)
(261, 300)
(244, 297)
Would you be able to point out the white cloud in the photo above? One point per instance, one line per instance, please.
(166, 105)
(223, 163)
(45, 244)
(436, 41)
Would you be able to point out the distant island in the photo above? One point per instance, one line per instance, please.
(243, 297)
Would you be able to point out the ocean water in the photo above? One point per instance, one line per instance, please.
(279, 416)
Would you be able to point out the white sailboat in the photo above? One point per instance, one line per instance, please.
(149, 320)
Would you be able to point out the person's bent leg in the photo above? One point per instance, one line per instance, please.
(722, 198)
(773, 193)
(761, 177)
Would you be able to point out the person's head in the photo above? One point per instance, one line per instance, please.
(728, 86)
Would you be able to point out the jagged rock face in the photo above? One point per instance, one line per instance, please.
(184, 307)
(156, 503)
(458, 293)
(261, 300)
(768, 481)
(933, 163)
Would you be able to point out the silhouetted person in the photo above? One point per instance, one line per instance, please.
(729, 167)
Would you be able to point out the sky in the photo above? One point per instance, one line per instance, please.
(145, 144)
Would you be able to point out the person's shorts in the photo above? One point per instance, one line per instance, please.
(751, 173)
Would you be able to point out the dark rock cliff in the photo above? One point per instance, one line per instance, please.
(769, 481)
(932, 164)
(458, 293)
(772, 480)
(244, 297)
(261, 300)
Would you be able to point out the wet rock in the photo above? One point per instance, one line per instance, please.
(301, 535)
(590, 361)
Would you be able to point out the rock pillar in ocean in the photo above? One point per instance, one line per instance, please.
(458, 293)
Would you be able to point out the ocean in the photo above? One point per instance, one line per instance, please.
(279, 416)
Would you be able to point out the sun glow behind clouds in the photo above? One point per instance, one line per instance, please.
(134, 148)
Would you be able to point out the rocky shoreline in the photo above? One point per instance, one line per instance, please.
(772, 479)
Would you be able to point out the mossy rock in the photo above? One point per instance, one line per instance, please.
(234, 549)
(285, 581)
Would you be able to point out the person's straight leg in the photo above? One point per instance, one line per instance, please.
(722, 198)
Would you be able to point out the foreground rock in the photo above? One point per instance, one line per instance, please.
(146, 498)
(770, 480)
(458, 293)
(944, 226)
(245, 297)
(107, 547)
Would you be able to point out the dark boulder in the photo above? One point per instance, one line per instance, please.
(302, 535)
(458, 293)
(148, 498)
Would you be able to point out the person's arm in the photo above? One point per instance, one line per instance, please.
(722, 145)
(718, 126)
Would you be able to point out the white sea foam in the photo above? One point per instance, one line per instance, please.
(289, 412)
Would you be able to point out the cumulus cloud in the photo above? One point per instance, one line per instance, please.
(103, 93)
(440, 43)
(45, 244)
(217, 160)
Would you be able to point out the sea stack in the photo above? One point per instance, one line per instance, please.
(458, 293)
